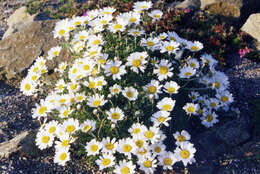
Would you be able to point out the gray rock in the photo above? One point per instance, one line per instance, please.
(21, 48)
(19, 18)
(194, 4)
(252, 26)
(234, 132)
(8, 147)
(28, 146)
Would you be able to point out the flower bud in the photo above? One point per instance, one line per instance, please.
(78, 107)
(95, 111)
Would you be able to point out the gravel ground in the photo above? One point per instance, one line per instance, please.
(15, 117)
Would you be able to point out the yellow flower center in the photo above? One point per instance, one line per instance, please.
(86, 67)
(60, 87)
(139, 143)
(110, 146)
(169, 48)
(74, 71)
(194, 48)
(163, 70)
(136, 131)
(107, 13)
(114, 70)
(106, 161)
(34, 77)
(82, 37)
(136, 63)
(132, 20)
(167, 161)
(191, 109)
(200, 111)
(193, 65)
(187, 74)
(161, 119)
(73, 86)
(66, 113)
(92, 53)
(136, 32)
(62, 32)
(27, 87)
(86, 128)
(77, 23)
(152, 89)
(35, 69)
(224, 98)
(55, 53)
(148, 164)
(166, 107)
(156, 16)
(101, 61)
(80, 98)
(96, 42)
(173, 38)
(150, 43)
(96, 103)
(181, 138)
(91, 85)
(125, 170)
(149, 134)
(115, 90)
(118, 27)
(63, 100)
(65, 143)
(70, 128)
(104, 22)
(63, 156)
(144, 7)
(42, 110)
(94, 148)
(157, 149)
(52, 129)
(45, 139)
(130, 94)
(127, 148)
(185, 154)
(217, 85)
(209, 118)
(115, 116)
(171, 90)
(213, 104)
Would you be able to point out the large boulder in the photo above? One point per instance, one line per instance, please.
(252, 26)
(228, 8)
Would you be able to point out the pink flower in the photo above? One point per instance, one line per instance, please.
(187, 10)
(85, 13)
(243, 52)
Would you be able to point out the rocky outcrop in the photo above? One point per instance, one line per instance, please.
(252, 26)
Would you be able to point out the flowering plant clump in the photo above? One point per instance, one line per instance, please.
(117, 98)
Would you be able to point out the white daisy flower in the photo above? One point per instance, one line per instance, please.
(119, 25)
(115, 89)
(96, 101)
(194, 46)
(107, 11)
(171, 87)
(142, 5)
(126, 147)
(166, 104)
(93, 147)
(167, 159)
(213, 103)
(169, 47)
(109, 145)
(88, 125)
(51, 127)
(125, 167)
(163, 70)
(193, 63)
(207, 59)
(151, 43)
(114, 69)
(64, 111)
(185, 153)
(209, 119)
(225, 98)
(71, 125)
(28, 87)
(53, 52)
(137, 61)
(115, 114)
(152, 134)
(61, 156)
(181, 136)
(130, 93)
(44, 139)
(105, 161)
(187, 72)
(161, 117)
(156, 15)
(147, 164)
(64, 142)
(136, 129)
(190, 108)
(154, 88)
(62, 29)
(158, 148)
